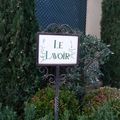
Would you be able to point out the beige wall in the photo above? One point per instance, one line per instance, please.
(93, 17)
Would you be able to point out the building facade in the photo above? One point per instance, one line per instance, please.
(93, 17)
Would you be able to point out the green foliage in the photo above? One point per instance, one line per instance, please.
(92, 54)
(83, 118)
(109, 110)
(18, 75)
(110, 33)
(65, 116)
(96, 98)
(47, 117)
(105, 113)
(43, 101)
(7, 113)
(29, 112)
(115, 106)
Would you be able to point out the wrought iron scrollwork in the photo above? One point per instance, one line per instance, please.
(50, 77)
(56, 28)
(64, 28)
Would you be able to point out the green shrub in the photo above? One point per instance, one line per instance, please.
(106, 112)
(96, 98)
(7, 113)
(41, 106)
(110, 33)
(92, 54)
(47, 117)
(115, 106)
(29, 112)
(43, 101)
(64, 116)
(82, 118)
(109, 110)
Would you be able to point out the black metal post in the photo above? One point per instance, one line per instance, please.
(57, 86)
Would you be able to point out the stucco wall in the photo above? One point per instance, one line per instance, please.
(93, 17)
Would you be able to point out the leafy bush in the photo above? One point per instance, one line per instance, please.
(105, 112)
(96, 98)
(7, 113)
(82, 118)
(29, 112)
(65, 116)
(110, 33)
(108, 111)
(115, 106)
(43, 101)
(102, 113)
(92, 54)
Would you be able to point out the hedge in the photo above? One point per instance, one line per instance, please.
(19, 77)
(110, 33)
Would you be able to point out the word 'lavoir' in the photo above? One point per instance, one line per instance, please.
(62, 56)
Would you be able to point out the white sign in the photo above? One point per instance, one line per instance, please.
(57, 49)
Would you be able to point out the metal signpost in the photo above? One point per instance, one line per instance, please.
(57, 50)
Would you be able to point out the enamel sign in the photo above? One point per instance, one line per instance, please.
(57, 49)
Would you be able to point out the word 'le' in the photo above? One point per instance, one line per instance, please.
(63, 55)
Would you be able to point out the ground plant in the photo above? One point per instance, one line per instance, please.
(43, 101)
(97, 98)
